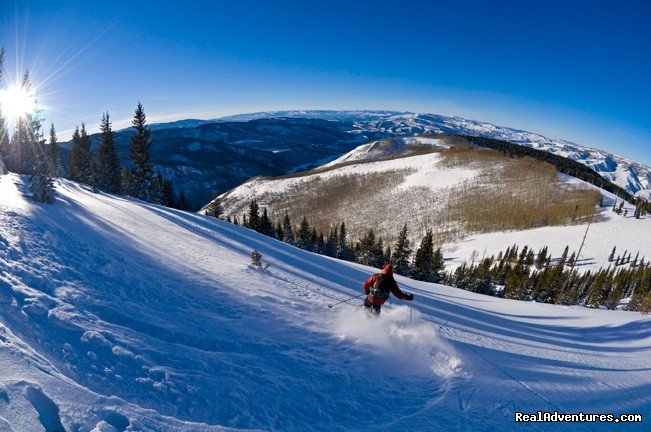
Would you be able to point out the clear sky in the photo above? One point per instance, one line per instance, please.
(567, 69)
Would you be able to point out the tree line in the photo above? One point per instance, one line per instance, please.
(426, 264)
(520, 274)
(26, 151)
(517, 273)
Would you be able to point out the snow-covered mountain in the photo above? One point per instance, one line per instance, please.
(633, 176)
(117, 315)
(470, 199)
(208, 157)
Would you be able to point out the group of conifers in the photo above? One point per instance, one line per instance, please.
(25, 151)
(517, 273)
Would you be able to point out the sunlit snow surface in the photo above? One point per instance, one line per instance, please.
(117, 315)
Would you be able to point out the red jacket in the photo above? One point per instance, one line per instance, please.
(368, 284)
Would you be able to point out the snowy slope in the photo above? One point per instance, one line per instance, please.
(419, 198)
(633, 176)
(117, 315)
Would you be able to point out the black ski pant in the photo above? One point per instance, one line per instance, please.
(371, 308)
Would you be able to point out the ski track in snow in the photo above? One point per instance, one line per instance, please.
(117, 315)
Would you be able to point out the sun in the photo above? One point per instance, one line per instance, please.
(15, 102)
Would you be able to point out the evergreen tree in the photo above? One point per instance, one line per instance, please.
(611, 257)
(378, 254)
(542, 257)
(55, 165)
(41, 183)
(167, 195)
(108, 162)
(314, 240)
(402, 253)
(330, 247)
(182, 202)
(254, 215)
(438, 266)
(288, 232)
(303, 235)
(22, 146)
(423, 268)
(142, 175)
(280, 235)
(369, 251)
(342, 247)
(4, 132)
(127, 180)
(266, 227)
(79, 168)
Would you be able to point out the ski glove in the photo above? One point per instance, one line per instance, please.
(410, 297)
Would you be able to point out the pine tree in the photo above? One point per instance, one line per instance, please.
(402, 253)
(127, 181)
(303, 235)
(41, 183)
(424, 260)
(79, 168)
(438, 266)
(108, 169)
(182, 202)
(611, 257)
(55, 165)
(266, 227)
(314, 240)
(142, 175)
(342, 247)
(288, 232)
(542, 257)
(330, 247)
(168, 194)
(22, 152)
(369, 251)
(4, 132)
(279, 231)
(254, 215)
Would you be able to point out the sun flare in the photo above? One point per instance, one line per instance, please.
(15, 102)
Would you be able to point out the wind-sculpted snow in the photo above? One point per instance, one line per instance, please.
(119, 315)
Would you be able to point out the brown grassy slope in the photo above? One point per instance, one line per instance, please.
(505, 194)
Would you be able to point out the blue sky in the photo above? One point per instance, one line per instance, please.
(572, 70)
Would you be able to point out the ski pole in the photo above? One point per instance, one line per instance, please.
(331, 305)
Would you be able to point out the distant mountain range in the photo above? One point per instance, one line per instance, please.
(208, 157)
(633, 176)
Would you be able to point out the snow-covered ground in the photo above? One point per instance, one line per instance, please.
(625, 233)
(118, 315)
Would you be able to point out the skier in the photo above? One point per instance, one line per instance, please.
(378, 287)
